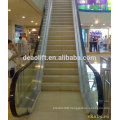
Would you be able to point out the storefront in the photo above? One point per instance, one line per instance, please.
(99, 33)
(18, 31)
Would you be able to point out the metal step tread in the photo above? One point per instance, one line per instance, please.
(61, 31)
(61, 27)
(61, 50)
(58, 25)
(60, 36)
(60, 41)
(67, 76)
(62, 19)
(60, 84)
(61, 16)
(68, 69)
(62, 62)
(52, 21)
(60, 45)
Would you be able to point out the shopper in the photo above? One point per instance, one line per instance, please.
(98, 44)
(106, 42)
(24, 46)
(110, 43)
(91, 43)
(12, 53)
(95, 40)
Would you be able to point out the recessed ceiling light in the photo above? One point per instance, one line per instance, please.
(34, 30)
(9, 10)
(103, 24)
(32, 21)
(36, 23)
(96, 21)
(23, 17)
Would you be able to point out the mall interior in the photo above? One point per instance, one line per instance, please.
(59, 89)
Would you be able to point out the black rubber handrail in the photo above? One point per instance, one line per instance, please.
(15, 77)
(97, 75)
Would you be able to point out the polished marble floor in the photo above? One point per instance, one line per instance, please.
(51, 106)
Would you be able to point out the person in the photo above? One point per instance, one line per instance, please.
(24, 46)
(98, 43)
(106, 42)
(95, 40)
(12, 53)
(91, 43)
(110, 43)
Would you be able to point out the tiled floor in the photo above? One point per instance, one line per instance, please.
(105, 55)
(102, 49)
(48, 102)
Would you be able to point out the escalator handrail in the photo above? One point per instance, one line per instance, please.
(97, 75)
(15, 77)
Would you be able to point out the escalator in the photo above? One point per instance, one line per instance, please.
(62, 88)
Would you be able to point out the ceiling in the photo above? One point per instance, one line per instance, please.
(28, 9)
(88, 19)
(25, 8)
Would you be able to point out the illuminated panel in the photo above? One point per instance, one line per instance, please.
(94, 5)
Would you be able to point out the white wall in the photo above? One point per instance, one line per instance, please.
(88, 18)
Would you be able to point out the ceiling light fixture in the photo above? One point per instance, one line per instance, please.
(103, 24)
(91, 25)
(32, 21)
(38, 37)
(96, 21)
(36, 23)
(9, 10)
(23, 17)
(34, 30)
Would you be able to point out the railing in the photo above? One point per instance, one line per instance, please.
(105, 71)
(18, 62)
(90, 80)
(25, 85)
(44, 42)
